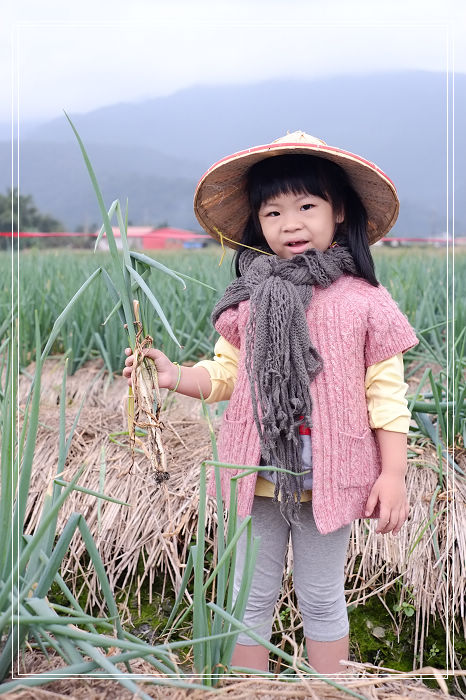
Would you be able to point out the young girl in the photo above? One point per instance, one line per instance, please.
(310, 356)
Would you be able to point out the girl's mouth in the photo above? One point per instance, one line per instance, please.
(297, 246)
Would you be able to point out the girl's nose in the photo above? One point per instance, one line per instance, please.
(291, 223)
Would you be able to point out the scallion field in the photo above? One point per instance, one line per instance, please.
(109, 575)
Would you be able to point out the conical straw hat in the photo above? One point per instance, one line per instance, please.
(221, 203)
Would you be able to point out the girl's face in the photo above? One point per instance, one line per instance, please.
(293, 223)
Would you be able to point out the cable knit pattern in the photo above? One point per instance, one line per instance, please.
(352, 325)
(280, 358)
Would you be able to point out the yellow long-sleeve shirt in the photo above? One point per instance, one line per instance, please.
(384, 384)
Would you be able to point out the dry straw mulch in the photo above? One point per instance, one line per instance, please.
(370, 685)
(247, 689)
(429, 562)
(160, 520)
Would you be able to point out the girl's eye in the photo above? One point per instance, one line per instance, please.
(272, 213)
(306, 207)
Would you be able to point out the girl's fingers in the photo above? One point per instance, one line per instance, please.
(390, 519)
(153, 353)
(397, 518)
(399, 522)
(384, 519)
(391, 525)
(388, 527)
(404, 512)
(371, 503)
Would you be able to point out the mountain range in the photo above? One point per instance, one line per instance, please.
(153, 152)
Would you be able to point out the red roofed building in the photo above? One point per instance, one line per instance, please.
(172, 238)
(148, 238)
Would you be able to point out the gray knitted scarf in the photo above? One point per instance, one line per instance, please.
(280, 358)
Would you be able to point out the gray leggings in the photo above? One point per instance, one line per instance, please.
(318, 573)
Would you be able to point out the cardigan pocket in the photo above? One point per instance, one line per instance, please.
(359, 463)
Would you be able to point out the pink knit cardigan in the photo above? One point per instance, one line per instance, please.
(352, 325)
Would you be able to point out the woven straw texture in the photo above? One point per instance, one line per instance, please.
(221, 204)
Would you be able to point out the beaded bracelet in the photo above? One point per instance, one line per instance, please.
(179, 377)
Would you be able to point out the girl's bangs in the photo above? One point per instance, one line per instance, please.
(291, 174)
(297, 185)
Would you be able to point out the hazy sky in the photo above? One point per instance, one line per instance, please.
(54, 56)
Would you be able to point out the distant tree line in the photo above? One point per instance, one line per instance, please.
(30, 219)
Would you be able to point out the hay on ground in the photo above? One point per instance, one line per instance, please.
(161, 520)
(428, 557)
(369, 682)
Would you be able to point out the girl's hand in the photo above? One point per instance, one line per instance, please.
(167, 372)
(390, 491)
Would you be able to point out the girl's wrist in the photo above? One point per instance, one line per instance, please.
(393, 452)
(176, 377)
(398, 473)
(394, 467)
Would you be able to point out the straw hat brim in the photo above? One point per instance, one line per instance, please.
(221, 203)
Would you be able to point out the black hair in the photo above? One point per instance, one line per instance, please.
(306, 174)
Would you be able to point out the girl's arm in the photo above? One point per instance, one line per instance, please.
(390, 487)
(393, 450)
(389, 417)
(194, 381)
